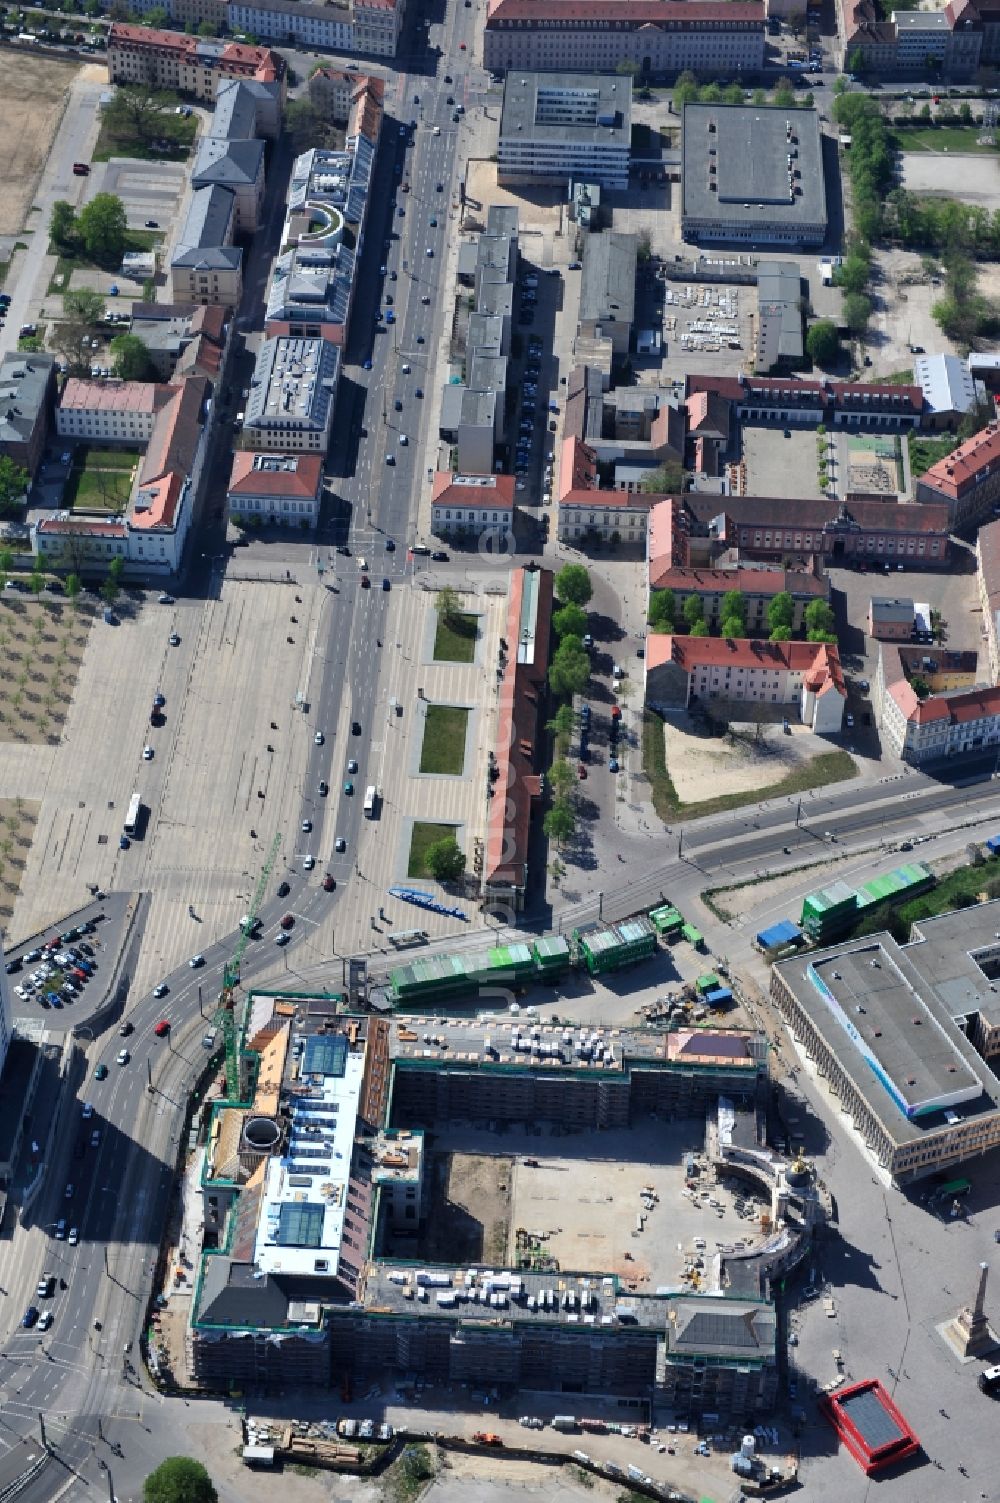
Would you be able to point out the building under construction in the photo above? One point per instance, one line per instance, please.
(306, 1184)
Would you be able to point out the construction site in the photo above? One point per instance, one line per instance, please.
(370, 1199)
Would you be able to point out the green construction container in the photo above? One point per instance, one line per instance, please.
(552, 956)
(828, 911)
(428, 977)
(709, 983)
(693, 936)
(608, 949)
(666, 920)
(503, 963)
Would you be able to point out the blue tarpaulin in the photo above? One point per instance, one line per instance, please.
(785, 933)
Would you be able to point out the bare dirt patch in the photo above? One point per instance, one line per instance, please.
(33, 93)
(470, 1208)
(703, 767)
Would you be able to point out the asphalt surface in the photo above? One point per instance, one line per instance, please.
(77, 1374)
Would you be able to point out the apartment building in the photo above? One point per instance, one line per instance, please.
(713, 38)
(27, 396)
(292, 395)
(188, 338)
(191, 65)
(757, 587)
(966, 481)
(284, 488)
(238, 167)
(682, 671)
(558, 129)
(473, 412)
(807, 403)
(110, 412)
(988, 579)
(752, 173)
(588, 514)
(206, 267)
(931, 705)
(943, 44)
(472, 506)
(169, 423)
(366, 26)
(336, 93)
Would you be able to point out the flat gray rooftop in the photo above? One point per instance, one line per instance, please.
(883, 1020)
(567, 108)
(743, 150)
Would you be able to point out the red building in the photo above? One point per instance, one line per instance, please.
(870, 1425)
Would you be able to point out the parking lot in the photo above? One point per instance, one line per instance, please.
(149, 190)
(780, 461)
(953, 594)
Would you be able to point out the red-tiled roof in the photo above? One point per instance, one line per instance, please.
(818, 661)
(496, 491)
(302, 481)
(748, 581)
(85, 529)
(522, 695)
(846, 395)
(616, 500)
(170, 456)
(114, 396)
(577, 466)
(962, 469)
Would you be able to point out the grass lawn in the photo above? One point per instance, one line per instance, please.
(425, 835)
(942, 138)
(70, 260)
(927, 451)
(959, 889)
(109, 459)
(443, 748)
(182, 133)
(455, 640)
(100, 480)
(828, 767)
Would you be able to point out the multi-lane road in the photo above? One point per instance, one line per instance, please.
(76, 1375)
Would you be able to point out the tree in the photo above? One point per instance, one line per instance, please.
(131, 357)
(733, 607)
(664, 481)
(73, 587)
(103, 227)
(445, 860)
(307, 126)
(62, 223)
(179, 1479)
(573, 585)
(820, 622)
(569, 672)
(447, 605)
(781, 634)
(857, 312)
(36, 579)
(562, 723)
(686, 90)
(570, 621)
(780, 614)
(662, 610)
(141, 112)
(693, 611)
(6, 564)
(562, 778)
(208, 29)
(628, 68)
(85, 305)
(14, 481)
(699, 629)
(560, 822)
(823, 342)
